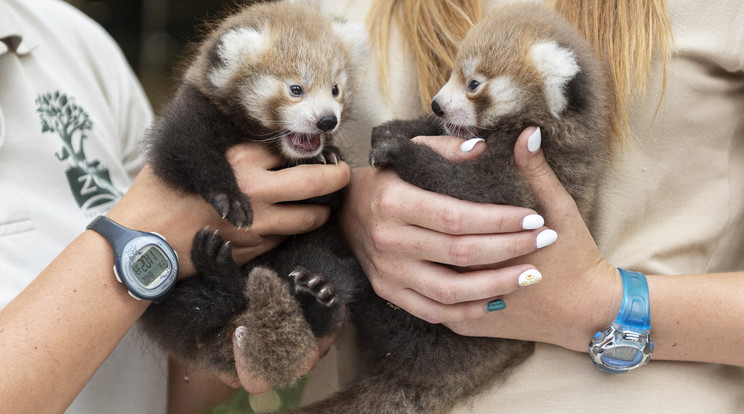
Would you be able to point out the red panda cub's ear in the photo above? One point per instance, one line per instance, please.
(237, 46)
(558, 66)
(354, 37)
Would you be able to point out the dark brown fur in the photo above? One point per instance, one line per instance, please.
(297, 292)
(417, 367)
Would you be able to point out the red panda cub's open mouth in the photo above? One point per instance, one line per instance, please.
(304, 142)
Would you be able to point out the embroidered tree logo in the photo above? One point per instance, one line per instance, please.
(90, 183)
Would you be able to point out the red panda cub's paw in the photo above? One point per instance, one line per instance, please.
(235, 208)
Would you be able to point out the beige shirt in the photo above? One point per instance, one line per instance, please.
(672, 204)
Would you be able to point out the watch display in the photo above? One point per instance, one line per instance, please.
(151, 264)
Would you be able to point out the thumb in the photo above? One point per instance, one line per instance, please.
(453, 148)
(545, 185)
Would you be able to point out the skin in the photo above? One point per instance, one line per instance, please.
(400, 242)
(57, 332)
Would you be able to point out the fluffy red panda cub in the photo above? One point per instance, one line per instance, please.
(284, 74)
(510, 75)
(523, 65)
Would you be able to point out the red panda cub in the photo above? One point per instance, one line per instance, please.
(284, 74)
(522, 66)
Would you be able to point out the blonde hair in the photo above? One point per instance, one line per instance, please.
(628, 34)
(434, 29)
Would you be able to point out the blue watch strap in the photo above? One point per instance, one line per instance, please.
(635, 311)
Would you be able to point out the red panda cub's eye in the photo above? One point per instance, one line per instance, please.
(473, 85)
(335, 90)
(296, 90)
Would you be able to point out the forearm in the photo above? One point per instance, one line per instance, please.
(698, 317)
(693, 317)
(60, 329)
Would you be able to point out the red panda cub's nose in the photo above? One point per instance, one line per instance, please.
(436, 108)
(327, 123)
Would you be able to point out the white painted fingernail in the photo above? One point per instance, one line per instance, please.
(529, 277)
(545, 238)
(468, 145)
(241, 333)
(534, 141)
(532, 222)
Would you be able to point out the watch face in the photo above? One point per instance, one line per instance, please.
(622, 353)
(150, 265)
(143, 262)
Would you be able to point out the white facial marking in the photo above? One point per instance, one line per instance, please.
(254, 97)
(505, 95)
(557, 66)
(458, 109)
(236, 45)
(303, 116)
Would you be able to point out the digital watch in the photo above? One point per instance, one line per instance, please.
(626, 344)
(143, 262)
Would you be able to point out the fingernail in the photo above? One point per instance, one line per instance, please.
(534, 141)
(545, 238)
(495, 305)
(468, 145)
(532, 222)
(529, 277)
(241, 333)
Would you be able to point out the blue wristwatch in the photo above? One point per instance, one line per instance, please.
(626, 344)
(143, 262)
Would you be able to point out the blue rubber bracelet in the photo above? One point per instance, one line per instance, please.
(635, 311)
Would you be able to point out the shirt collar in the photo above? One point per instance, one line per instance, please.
(12, 36)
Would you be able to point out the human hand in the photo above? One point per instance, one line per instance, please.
(580, 291)
(151, 205)
(403, 236)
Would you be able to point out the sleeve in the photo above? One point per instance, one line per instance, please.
(134, 118)
(126, 98)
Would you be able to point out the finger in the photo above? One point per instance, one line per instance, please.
(545, 185)
(449, 215)
(244, 254)
(304, 181)
(252, 155)
(453, 148)
(435, 312)
(289, 219)
(449, 287)
(325, 343)
(463, 250)
(248, 379)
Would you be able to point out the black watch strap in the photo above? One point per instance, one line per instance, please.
(116, 234)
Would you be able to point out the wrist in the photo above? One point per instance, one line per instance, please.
(597, 305)
(626, 343)
(143, 262)
(150, 205)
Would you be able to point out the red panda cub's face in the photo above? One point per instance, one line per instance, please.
(293, 74)
(505, 74)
